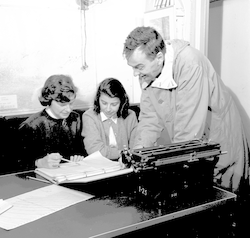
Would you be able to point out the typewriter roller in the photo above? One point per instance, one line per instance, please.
(152, 157)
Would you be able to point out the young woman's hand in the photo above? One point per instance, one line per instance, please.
(76, 158)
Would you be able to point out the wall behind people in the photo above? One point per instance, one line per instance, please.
(41, 38)
(229, 50)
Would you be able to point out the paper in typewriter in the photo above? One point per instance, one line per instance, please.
(93, 167)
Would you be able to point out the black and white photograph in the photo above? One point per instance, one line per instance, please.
(124, 118)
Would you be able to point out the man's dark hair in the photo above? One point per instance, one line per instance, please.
(146, 39)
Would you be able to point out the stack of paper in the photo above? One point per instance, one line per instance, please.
(93, 167)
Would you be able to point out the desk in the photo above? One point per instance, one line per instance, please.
(107, 214)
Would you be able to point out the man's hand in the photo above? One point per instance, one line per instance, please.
(138, 147)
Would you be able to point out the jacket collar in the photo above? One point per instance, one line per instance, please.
(104, 118)
(165, 80)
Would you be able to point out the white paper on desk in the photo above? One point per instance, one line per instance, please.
(95, 166)
(4, 206)
(38, 203)
(94, 161)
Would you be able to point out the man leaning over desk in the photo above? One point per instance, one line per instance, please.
(183, 98)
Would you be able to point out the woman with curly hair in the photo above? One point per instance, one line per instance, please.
(55, 132)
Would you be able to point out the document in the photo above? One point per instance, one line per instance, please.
(38, 203)
(4, 206)
(93, 167)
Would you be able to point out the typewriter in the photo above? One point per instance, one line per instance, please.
(166, 172)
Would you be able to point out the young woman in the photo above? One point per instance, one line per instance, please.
(55, 132)
(110, 125)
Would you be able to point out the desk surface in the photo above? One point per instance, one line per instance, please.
(107, 214)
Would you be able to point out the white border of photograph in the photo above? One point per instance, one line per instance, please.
(163, 20)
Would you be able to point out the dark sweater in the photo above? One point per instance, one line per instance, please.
(41, 134)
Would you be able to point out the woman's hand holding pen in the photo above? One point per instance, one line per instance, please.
(50, 161)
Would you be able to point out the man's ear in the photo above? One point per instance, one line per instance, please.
(160, 58)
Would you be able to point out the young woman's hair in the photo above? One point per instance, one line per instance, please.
(59, 88)
(113, 88)
(146, 39)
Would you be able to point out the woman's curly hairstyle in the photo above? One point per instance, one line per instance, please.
(113, 88)
(59, 88)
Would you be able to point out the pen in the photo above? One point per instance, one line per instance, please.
(70, 161)
(37, 179)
